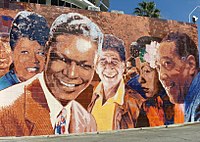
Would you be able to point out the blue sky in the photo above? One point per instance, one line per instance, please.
(170, 9)
(178, 10)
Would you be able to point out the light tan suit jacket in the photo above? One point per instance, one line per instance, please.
(28, 113)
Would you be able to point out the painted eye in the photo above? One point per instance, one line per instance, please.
(114, 62)
(66, 60)
(85, 66)
(146, 71)
(63, 59)
(167, 63)
(102, 62)
(41, 53)
(24, 52)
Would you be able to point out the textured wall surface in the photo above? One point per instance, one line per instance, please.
(146, 75)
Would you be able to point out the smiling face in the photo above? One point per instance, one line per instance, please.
(28, 58)
(5, 55)
(149, 80)
(70, 66)
(175, 72)
(110, 68)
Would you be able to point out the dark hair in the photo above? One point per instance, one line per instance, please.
(30, 25)
(185, 46)
(111, 42)
(140, 44)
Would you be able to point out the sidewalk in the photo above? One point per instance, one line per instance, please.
(174, 133)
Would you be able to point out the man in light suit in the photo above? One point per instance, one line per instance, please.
(33, 107)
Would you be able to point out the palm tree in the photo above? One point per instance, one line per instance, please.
(147, 9)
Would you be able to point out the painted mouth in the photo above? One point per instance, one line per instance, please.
(69, 84)
(109, 76)
(3, 59)
(146, 90)
(32, 69)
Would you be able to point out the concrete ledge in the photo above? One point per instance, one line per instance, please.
(93, 135)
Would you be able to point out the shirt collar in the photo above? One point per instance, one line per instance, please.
(14, 75)
(117, 98)
(54, 105)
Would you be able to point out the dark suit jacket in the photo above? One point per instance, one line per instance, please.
(28, 114)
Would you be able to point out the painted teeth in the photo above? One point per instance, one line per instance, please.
(109, 76)
(31, 69)
(66, 84)
(2, 60)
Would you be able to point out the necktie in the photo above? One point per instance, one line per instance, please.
(60, 126)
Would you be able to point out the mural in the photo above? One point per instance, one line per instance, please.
(110, 96)
(28, 35)
(82, 71)
(179, 74)
(5, 54)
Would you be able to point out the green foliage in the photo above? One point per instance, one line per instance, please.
(147, 9)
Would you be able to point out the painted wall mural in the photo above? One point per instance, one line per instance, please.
(78, 71)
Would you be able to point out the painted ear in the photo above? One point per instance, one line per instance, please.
(191, 64)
